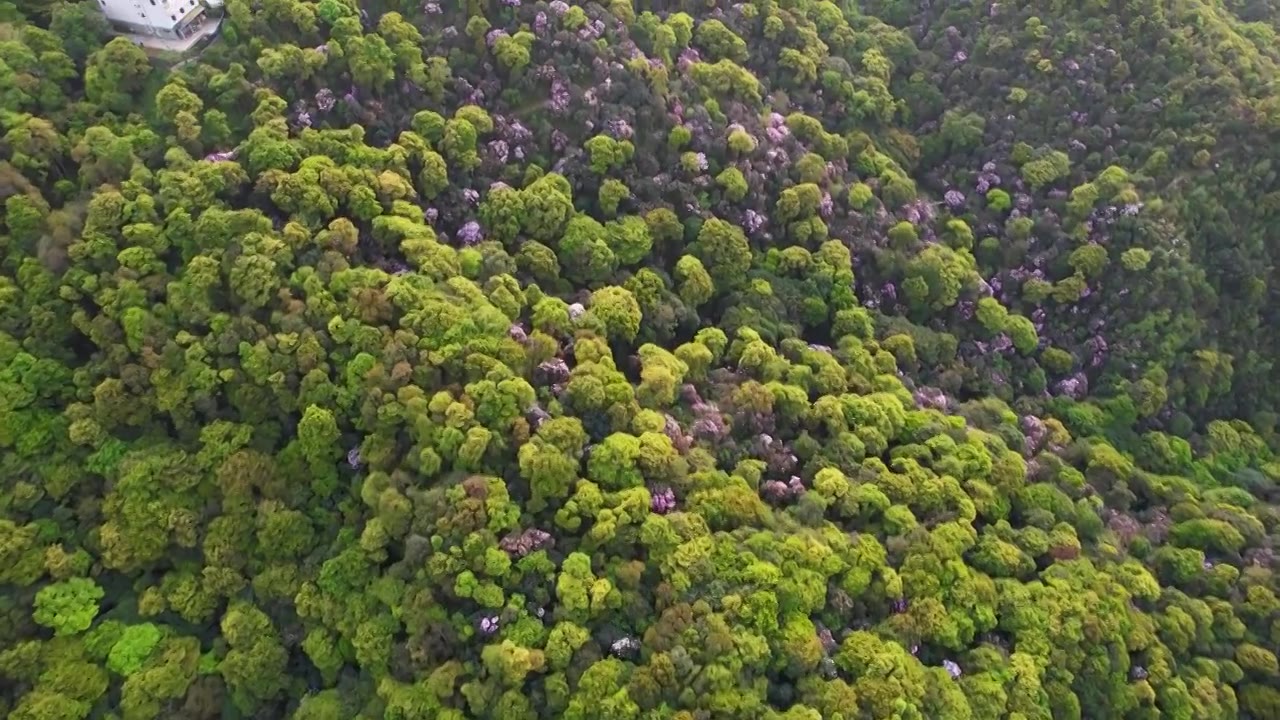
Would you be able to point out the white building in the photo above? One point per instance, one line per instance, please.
(162, 18)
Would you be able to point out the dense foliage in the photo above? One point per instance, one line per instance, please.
(781, 360)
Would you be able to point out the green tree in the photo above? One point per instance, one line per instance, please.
(723, 249)
(80, 26)
(68, 607)
(115, 74)
(617, 311)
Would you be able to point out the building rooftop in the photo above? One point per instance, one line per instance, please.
(201, 29)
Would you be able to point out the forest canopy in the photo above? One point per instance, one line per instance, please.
(511, 359)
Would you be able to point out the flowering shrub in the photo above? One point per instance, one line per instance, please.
(612, 360)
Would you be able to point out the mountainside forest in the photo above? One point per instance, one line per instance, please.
(642, 360)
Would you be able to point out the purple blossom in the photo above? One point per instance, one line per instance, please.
(540, 23)
(1076, 145)
(687, 58)
(1156, 528)
(889, 290)
(354, 459)
(620, 129)
(700, 161)
(559, 7)
(220, 156)
(559, 96)
(825, 638)
(325, 99)
(960, 57)
(536, 416)
(517, 132)
(470, 234)
(625, 646)
(708, 427)
(899, 606)
(489, 624)
(671, 428)
(777, 491)
(1034, 433)
(662, 501)
(920, 212)
(431, 214)
(753, 221)
(952, 669)
(826, 207)
(1260, 557)
(522, 543)
(511, 3)
(431, 8)
(551, 372)
(494, 35)
(1073, 387)
(576, 310)
(931, 397)
(471, 196)
(517, 332)
(954, 198)
(499, 150)
(689, 394)
(1125, 527)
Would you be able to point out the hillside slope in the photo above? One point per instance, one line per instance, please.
(513, 360)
